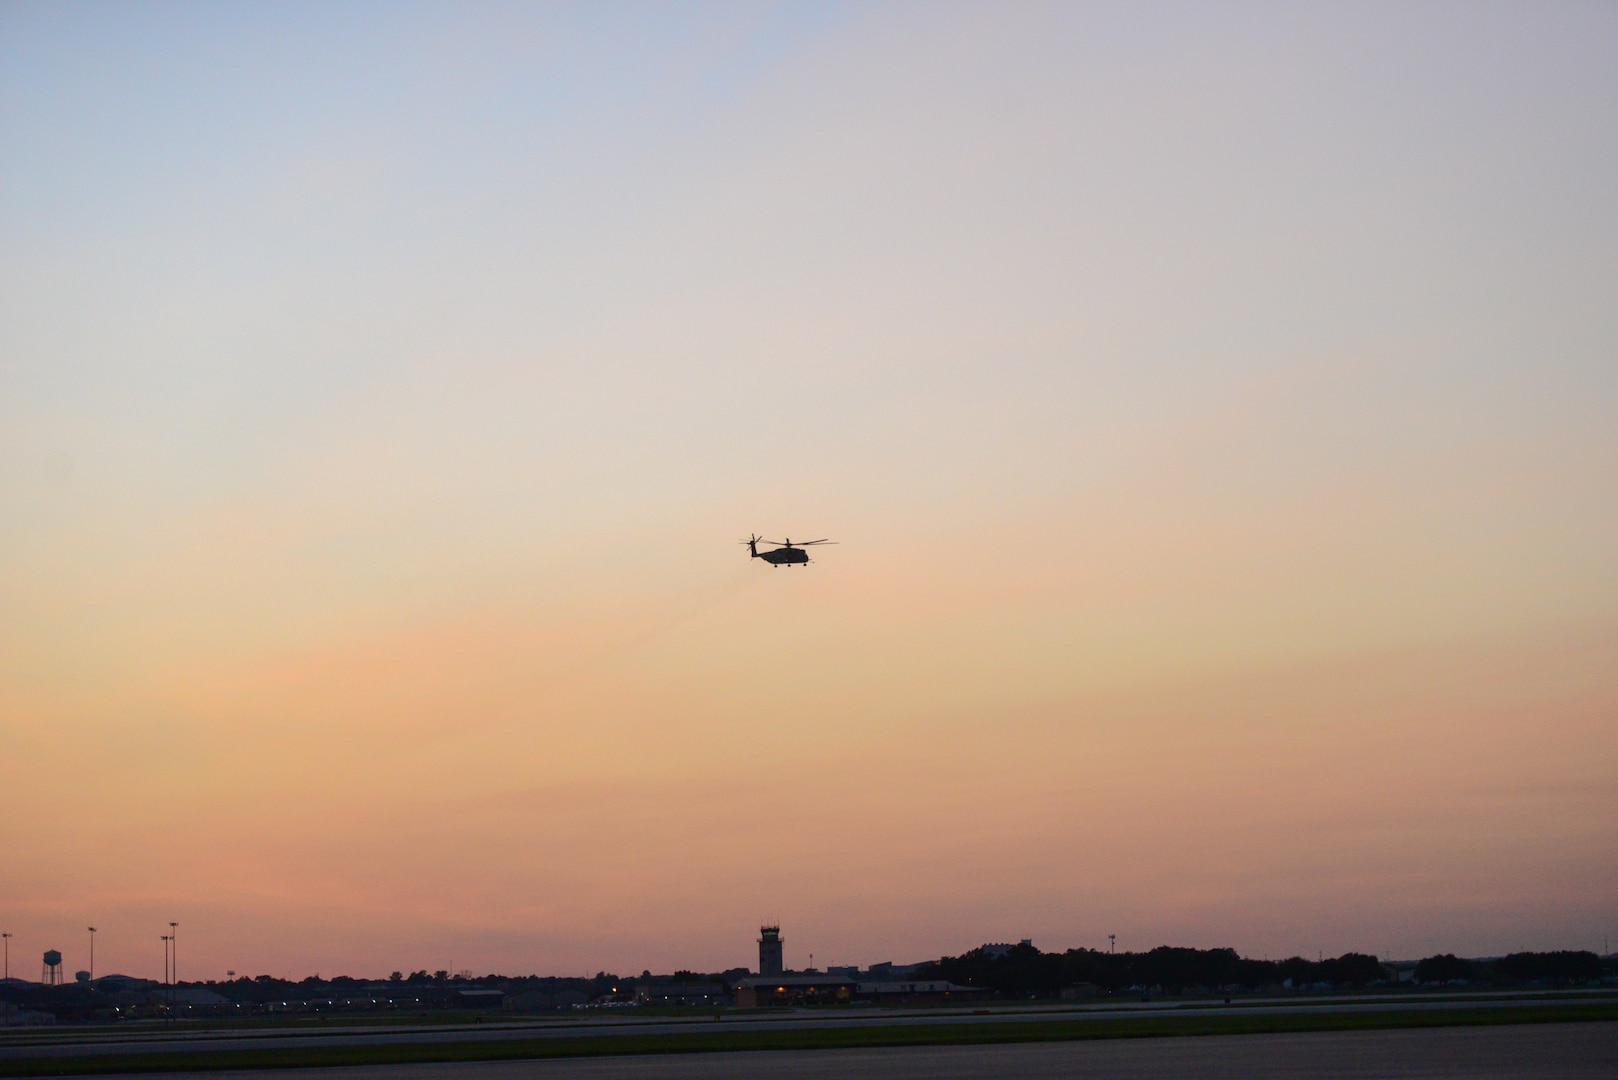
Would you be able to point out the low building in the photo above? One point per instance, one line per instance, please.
(195, 995)
(480, 999)
(888, 971)
(540, 1001)
(828, 989)
(15, 1016)
(925, 991)
(759, 991)
(682, 993)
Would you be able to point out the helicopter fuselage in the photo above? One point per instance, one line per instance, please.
(785, 555)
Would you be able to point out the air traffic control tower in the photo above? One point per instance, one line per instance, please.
(769, 950)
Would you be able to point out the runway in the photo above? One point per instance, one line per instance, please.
(159, 1038)
(1585, 1051)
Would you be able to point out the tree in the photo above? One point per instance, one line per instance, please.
(1352, 969)
(1444, 968)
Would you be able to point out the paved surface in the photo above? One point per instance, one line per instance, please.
(45, 1043)
(1585, 1051)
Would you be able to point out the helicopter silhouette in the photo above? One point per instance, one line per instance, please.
(786, 554)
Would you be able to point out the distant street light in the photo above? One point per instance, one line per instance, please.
(92, 954)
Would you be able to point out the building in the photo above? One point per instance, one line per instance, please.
(927, 991)
(760, 992)
(769, 951)
(196, 995)
(527, 1001)
(888, 971)
(478, 998)
(995, 950)
(682, 993)
(778, 989)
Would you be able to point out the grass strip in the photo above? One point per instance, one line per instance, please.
(720, 1039)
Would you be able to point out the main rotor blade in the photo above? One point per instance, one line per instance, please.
(808, 543)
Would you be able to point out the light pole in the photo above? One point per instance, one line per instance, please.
(1112, 943)
(92, 954)
(8, 955)
(165, 938)
(174, 988)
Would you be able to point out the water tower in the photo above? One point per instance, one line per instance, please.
(51, 973)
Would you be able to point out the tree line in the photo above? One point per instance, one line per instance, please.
(1023, 971)
(1527, 967)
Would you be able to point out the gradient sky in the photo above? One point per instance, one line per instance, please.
(1216, 404)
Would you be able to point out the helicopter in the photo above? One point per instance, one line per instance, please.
(787, 553)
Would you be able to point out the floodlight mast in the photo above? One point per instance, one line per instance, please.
(92, 954)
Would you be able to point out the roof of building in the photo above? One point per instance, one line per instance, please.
(128, 982)
(924, 986)
(760, 982)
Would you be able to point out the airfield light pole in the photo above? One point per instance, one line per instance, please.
(1112, 943)
(92, 954)
(174, 943)
(7, 937)
(165, 938)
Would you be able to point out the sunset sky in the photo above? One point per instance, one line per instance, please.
(1216, 406)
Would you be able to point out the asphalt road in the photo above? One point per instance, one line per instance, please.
(1584, 1051)
(47, 1043)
